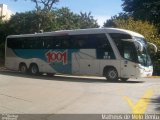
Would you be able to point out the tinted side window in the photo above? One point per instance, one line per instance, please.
(98, 41)
(42, 42)
(10, 43)
(14, 43)
(79, 41)
(48, 42)
(56, 42)
(25, 43)
(104, 49)
(62, 42)
(89, 41)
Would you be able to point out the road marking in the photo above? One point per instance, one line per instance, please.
(141, 106)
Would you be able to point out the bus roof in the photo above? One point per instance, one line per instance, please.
(79, 31)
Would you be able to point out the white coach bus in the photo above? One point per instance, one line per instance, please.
(110, 52)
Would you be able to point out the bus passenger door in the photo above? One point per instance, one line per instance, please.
(127, 50)
(128, 67)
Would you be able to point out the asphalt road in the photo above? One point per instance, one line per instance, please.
(76, 95)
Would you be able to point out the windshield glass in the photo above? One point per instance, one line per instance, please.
(143, 56)
(129, 50)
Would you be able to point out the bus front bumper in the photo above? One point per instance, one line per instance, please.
(145, 71)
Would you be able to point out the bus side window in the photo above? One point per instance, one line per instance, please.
(17, 43)
(38, 42)
(23, 45)
(48, 42)
(10, 43)
(65, 42)
(79, 41)
(97, 41)
(57, 42)
(54, 42)
(29, 43)
(103, 47)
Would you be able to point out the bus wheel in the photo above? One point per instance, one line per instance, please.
(124, 79)
(34, 70)
(23, 68)
(112, 74)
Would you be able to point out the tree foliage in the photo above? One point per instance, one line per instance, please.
(143, 9)
(4, 31)
(111, 22)
(33, 21)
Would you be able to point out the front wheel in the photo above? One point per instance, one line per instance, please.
(111, 74)
(34, 70)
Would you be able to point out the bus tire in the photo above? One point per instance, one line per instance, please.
(23, 68)
(34, 70)
(111, 74)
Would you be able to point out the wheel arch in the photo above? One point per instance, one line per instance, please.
(106, 68)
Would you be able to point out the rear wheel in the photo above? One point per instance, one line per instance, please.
(23, 68)
(34, 70)
(111, 74)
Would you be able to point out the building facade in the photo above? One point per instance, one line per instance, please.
(5, 13)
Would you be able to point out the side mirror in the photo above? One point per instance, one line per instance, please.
(154, 46)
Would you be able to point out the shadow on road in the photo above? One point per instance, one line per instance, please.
(156, 101)
(65, 78)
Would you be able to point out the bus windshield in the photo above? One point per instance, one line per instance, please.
(143, 56)
(130, 51)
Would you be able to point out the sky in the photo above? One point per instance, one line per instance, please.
(100, 9)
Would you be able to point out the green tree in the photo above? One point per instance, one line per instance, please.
(59, 19)
(87, 21)
(65, 19)
(143, 9)
(111, 23)
(31, 22)
(4, 31)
